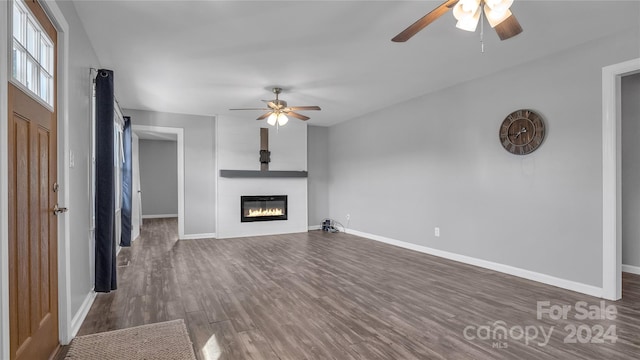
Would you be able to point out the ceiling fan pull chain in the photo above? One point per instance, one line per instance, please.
(482, 30)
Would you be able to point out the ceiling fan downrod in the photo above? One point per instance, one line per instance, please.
(277, 91)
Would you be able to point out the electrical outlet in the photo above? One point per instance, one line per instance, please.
(348, 217)
(436, 231)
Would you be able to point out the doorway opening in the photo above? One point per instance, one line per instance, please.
(630, 111)
(172, 134)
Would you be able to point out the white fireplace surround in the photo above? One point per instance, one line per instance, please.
(238, 148)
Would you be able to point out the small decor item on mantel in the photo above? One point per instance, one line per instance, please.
(522, 132)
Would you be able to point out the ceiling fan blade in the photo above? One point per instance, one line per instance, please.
(424, 21)
(298, 116)
(264, 116)
(304, 108)
(272, 104)
(509, 28)
(252, 109)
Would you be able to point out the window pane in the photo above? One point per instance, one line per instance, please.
(32, 56)
(45, 54)
(18, 23)
(17, 63)
(45, 82)
(32, 40)
(32, 75)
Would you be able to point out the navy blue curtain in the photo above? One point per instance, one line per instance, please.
(125, 239)
(105, 256)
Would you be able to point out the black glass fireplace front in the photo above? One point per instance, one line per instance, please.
(263, 208)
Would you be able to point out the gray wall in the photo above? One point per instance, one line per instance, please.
(199, 163)
(318, 167)
(436, 161)
(81, 57)
(159, 177)
(631, 170)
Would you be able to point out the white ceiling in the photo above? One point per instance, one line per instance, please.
(204, 57)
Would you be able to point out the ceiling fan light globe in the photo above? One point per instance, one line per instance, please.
(282, 119)
(469, 23)
(466, 8)
(470, 6)
(272, 119)
(498, 5)
(494, 17)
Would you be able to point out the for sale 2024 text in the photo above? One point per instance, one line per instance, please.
(581, 311)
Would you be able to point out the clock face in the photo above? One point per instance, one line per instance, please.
(522, 132)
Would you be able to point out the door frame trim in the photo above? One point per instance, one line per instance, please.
(135, 149)
(64, 272)
(4, 186)
(179, 132)
(64, 269)
(612, 177)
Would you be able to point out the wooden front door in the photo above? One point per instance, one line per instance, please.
(33, 261)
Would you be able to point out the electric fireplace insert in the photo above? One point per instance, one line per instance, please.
(263, 208)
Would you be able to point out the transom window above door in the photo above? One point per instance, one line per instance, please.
(32, 56)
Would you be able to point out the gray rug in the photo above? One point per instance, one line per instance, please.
(160, 341)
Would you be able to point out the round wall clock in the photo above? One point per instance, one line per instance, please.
(522, 132)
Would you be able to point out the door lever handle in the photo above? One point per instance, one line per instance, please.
(59, 210)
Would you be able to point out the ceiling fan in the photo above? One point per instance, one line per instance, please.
(468, 13)
(277, 110)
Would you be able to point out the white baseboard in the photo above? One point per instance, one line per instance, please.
(510, 270)
(631, 269)
(315, 227)
(198, 236)
(78, 318)
(160, 216)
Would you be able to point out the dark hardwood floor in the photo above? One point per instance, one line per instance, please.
(318, 295)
